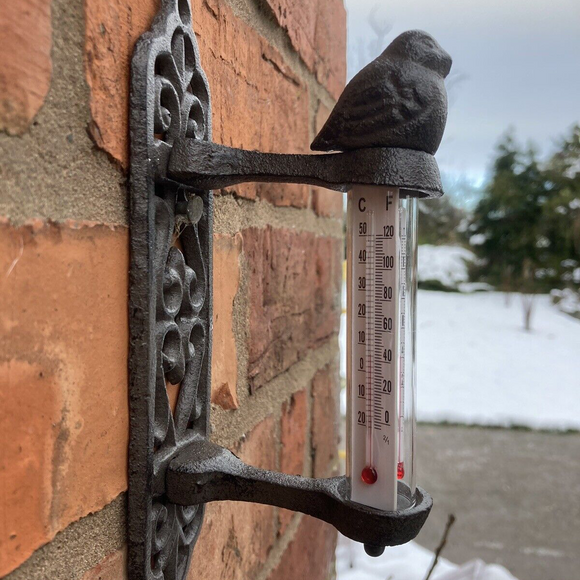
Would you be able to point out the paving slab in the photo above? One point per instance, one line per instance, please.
(515, 494)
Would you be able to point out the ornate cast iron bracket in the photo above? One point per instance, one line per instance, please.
(173, 469)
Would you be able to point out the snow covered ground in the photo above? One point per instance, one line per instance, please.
(407, 562)
(477, 365)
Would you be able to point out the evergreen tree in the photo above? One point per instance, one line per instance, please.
(526, 227)
(439, 221)
(562, 212)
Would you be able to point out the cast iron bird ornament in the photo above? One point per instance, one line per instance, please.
(398, 100)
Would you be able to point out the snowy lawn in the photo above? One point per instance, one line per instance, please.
(477, 365)
(407, 562)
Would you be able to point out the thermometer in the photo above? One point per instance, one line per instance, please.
(380, 346)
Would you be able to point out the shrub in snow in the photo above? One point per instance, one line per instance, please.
(567, 301)
(444, 267)
(468, 287)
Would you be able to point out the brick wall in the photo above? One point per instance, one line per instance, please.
(275, 68)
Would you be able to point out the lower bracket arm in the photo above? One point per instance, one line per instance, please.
(205, 472)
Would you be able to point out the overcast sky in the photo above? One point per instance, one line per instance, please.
(516, 63)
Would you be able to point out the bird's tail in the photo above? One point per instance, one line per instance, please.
(320, 143)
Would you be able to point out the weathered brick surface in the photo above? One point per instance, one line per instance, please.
(294, 287)
(293, 428)
(325, 421)
(63, 360)
(226, 271)
(63, 311)
(112, 28)
(310, 554)
(327, 203)
(26, 457)
(293, 425)
(25, 64)
(317, 30)
(330, 43)
(257, 102)
(236, 537)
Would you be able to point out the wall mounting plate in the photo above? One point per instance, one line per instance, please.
(170, 301)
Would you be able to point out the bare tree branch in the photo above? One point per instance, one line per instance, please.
(450, 522)
(381, 25)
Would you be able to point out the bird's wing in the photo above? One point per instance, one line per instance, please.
(378, 98)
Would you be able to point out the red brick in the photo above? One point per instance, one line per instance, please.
(325, 421)
(293, 428)
(26, 458)
(298, 19)
(310, 554)
(25, 63)
(330, 44)
(293, 423)
(236, 537)
(294, 286)
(257, 102)
(224, 365)
(325, 202)
(113, 567)
(317, 31)
(111, 29)
(63, 356)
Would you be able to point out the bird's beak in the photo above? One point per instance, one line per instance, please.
(447, 62)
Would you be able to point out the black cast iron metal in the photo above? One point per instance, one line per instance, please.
(205, 472)
(203, 164)
(173, 469)
(170, 304)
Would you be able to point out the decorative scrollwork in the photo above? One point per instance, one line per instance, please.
(171, 256)
(181, 89)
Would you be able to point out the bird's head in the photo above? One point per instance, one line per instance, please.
(421, 48)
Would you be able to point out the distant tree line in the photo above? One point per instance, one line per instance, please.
(525, 230)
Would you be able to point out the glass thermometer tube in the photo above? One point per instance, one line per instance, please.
(380, 347)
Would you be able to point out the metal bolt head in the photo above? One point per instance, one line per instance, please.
(194, 208)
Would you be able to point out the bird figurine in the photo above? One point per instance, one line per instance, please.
(398, 100)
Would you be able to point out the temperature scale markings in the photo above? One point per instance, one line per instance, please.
(376, 262)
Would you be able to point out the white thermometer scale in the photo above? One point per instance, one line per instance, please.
(376, 296)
